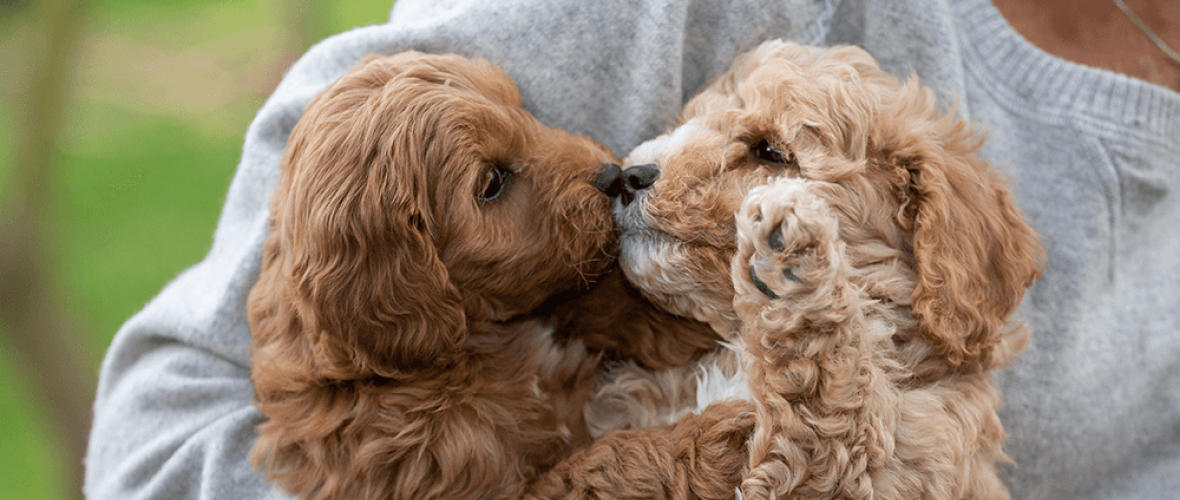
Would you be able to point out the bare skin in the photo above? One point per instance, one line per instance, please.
(1096, 33)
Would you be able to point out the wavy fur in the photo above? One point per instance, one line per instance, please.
(867, 279)
(410, 340)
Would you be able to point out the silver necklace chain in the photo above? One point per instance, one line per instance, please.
(1159, 42)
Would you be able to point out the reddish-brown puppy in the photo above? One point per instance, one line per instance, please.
(416, 326)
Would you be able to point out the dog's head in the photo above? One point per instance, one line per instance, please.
(416, 196)
(928, 225)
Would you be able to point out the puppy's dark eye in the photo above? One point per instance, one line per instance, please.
(764, 151)
(492, 183)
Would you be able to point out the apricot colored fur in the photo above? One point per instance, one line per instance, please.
(865, 280)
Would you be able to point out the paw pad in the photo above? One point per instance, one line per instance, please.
(783, 231)
(761, 285)
(775, 240)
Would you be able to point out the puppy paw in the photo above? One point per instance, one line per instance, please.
(787, 242)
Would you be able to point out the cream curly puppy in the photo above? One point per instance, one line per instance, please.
(863, 265)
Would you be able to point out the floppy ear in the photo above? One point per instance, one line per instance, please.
(353, 218)
(974, 252)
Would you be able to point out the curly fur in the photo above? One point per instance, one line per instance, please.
(866, 279)
(411, 341)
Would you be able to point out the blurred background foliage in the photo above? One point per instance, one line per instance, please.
(110, 196)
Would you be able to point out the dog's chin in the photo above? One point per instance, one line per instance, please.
(640, 252)
(654, 262)
(668, 270)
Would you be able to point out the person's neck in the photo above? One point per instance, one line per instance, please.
(1096, 33)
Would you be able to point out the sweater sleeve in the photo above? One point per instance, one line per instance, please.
(173, 416)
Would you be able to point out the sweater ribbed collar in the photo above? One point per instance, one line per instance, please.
(1027, 73)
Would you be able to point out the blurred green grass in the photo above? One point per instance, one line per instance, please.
(160, 97)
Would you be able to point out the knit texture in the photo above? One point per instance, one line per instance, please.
(1092, 408)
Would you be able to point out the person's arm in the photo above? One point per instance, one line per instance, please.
(174, 416)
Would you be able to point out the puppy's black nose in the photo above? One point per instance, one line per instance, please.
(609, 180)
(640, 177)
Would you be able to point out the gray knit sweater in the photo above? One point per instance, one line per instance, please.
(1092, 409)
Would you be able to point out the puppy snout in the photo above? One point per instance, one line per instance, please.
(640, 177)
(636, 179)
(609, 180)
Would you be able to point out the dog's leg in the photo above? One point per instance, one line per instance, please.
(700, 456)
(810, 366)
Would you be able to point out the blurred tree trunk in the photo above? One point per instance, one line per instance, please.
(49, 346)
(307, 24)
(304, 24)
